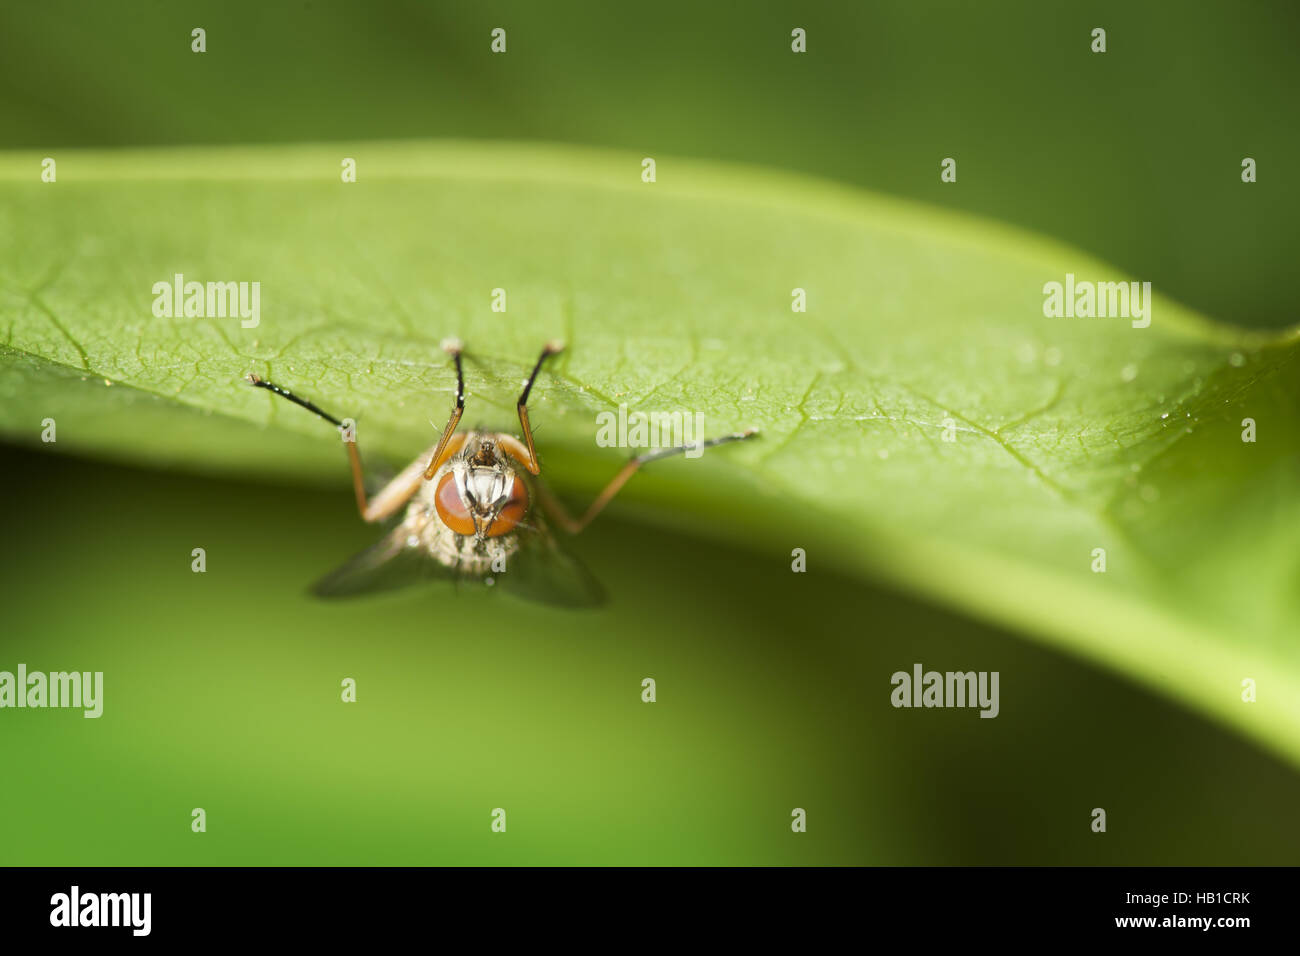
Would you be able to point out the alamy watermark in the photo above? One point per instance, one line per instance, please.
(1075, 299)
(950, 689)
(53, 689)
(76, 908)
(213, 300)
(651, 430)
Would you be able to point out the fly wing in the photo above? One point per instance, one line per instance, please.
(543, 571)
(386, 566)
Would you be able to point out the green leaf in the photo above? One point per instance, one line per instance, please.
(1070, 434)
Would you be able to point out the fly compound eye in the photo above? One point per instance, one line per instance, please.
(451, 509)
(512, 512)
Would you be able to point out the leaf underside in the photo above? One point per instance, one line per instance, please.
(922, 421)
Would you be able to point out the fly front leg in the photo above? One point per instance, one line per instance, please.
(551, 348)
(453, 348)
(557, 512)
(394, 494)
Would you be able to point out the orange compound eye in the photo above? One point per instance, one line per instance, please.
(513, 512)
(451, 509)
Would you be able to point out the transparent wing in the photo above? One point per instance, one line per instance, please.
(386, 566)
(543, 571)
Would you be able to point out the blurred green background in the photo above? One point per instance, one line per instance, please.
(222, 692)
(1134, 155)
(222, 688)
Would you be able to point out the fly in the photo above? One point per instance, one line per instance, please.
(476, 509)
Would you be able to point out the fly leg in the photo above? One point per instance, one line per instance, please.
(394, 494)
(551, 348)
(453, 348)
(560, 516)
